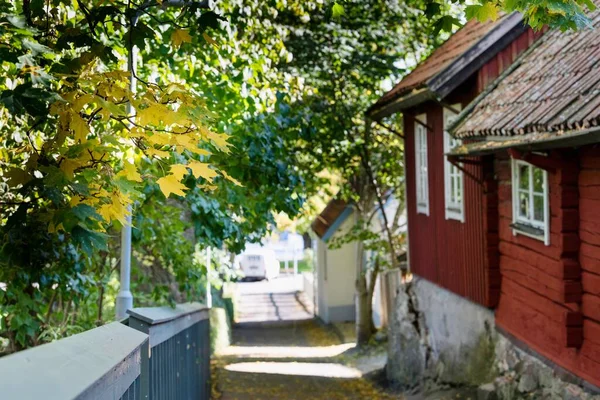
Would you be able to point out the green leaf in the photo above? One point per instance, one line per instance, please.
(209, 19)
(432, 9)
(445, 24)
(85, 211)
(337, 10)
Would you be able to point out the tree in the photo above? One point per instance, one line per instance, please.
(342, 63)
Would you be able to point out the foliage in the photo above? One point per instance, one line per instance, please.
(561, 14)
(80, 141)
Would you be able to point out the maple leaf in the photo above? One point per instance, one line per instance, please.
(231, 179)
(116, 209)
(200, 169)
(210, 40)
(170, 184)
(155, 113)
(130, 173)
(79, 127)
(152, 152)
(220, 140)
(69, 166)
(186, 142)
(337, 10)
(180, 36)
(179, 171)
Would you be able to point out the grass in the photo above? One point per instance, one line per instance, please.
(303, 266)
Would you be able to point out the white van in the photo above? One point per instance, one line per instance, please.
(259, 263)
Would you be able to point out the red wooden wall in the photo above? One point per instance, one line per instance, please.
(501, 61)
(461, 257)
(551, 294)
(450, 253)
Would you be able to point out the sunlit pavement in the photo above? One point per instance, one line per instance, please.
(280, 352)
(277, 300)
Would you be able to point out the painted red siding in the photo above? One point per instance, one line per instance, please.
(461, 257)
(450, 253)
(501, 61)
(551, 294)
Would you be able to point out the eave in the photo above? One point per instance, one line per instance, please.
(530, 142)
(457, 72)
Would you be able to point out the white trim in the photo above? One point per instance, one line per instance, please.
(421, 166)
(530, 221)
(453, 210)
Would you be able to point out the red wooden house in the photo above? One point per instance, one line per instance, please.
(540, 123)
(504, 211)
(452, 225)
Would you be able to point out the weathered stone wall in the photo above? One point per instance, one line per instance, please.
(437, 338)
(436, 335)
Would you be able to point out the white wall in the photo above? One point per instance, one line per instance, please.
(336, 269)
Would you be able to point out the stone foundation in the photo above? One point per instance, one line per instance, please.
(438, 339)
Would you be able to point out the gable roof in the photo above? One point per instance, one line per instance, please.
(450, 64)
(552, 92)
(330, 219)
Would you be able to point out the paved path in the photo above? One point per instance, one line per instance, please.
(280, 352)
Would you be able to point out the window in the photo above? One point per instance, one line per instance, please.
(453, 176)
(530, 201)
(421, 166)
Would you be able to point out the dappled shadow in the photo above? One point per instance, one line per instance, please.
(269, 307)
(279, 351)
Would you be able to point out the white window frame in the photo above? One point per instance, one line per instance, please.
(527, 226)
(454, 209)
(421, 165)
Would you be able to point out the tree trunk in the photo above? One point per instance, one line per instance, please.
(364, 310)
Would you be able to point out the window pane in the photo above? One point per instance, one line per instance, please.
(523, 205)
(538, 180)
(524, 177)
(538, 208)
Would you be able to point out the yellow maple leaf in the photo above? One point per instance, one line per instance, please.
(116, 209)
(200, 169)
(170, 184)
(179, 171)
(155, 113)
(220, 140)
(210, 40)
(160, 139)
(157, 153)
(180, 36)
(130, 172)
(17, 176)
(79, 127)
(81, 101)
(187, 142)
(68, 166)
(229, 178)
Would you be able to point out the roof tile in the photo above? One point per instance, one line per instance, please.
(555, 87)
(454, 47)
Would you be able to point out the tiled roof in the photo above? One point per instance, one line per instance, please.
(455, 46)
(554, 87)
(328, 216)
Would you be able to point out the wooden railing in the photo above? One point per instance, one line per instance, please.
(158, 353)
(179, 367)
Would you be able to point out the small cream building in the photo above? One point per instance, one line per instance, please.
(335, 272)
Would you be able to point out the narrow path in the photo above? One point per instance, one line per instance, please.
(280, 352)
